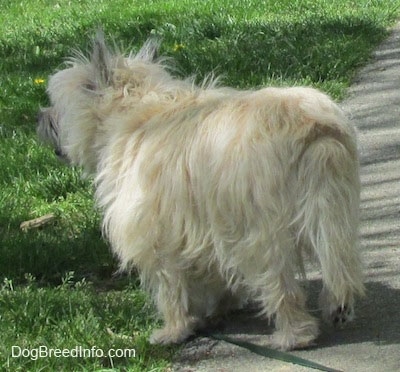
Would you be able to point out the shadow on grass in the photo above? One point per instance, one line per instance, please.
(48, 255)
(246, 54)
(316, 48)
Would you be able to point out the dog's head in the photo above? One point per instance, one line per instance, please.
(81, 94)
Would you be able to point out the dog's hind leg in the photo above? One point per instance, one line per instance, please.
(282, 298)
(328, 215)
(295, 327)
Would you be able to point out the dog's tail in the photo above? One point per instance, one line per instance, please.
(328, 195)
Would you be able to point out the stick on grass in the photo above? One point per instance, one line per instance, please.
(37, 222)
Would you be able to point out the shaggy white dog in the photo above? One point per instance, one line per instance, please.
(214, 194)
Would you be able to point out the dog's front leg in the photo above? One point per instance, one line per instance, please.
(172, 300)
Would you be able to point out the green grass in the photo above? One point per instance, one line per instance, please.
(72, 315)
(250, 43)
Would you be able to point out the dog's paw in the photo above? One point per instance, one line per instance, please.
(334, 312)
(341, 315)
(299, 336)
(284, 342)
(166, 336)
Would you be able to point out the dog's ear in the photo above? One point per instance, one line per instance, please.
(149, 50)
(102, 61)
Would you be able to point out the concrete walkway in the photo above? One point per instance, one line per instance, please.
(372, 341)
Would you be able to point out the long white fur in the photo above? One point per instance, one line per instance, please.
(213, 194)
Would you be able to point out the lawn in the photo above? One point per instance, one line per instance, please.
(57, 284)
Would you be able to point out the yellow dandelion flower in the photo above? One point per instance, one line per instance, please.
(38, 81)
(178, 47)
